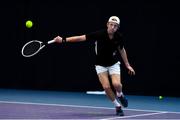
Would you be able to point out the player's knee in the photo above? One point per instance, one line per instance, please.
(106, 87)
(117, 85)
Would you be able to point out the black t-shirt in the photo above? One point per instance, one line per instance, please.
(106, 48)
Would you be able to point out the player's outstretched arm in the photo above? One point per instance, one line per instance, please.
(80, 38)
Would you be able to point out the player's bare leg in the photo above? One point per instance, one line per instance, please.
(104, 79)
(116, 82)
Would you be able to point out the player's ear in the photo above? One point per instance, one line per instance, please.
(107, 24)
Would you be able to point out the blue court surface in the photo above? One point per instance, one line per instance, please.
(35, 104)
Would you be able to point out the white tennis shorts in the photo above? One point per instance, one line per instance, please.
(114, 69)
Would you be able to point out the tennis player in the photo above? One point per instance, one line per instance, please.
(108, 43)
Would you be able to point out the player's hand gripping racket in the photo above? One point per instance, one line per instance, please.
(31, 48)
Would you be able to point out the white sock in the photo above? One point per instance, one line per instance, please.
(116, 103)
(119, 94)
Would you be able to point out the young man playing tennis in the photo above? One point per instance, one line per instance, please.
(108, 42)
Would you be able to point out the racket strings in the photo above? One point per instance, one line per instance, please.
(31, 48)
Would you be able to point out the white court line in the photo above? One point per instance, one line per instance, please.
(131, 116)
(93, 107)
(151, 110)
(47, 104)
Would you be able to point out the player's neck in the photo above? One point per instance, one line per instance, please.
(111, 36)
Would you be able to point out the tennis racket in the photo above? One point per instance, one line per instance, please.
(31, 48)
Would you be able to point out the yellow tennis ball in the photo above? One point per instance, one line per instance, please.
(29, 24)
(160, 97)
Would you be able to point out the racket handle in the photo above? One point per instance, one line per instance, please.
(51, 41)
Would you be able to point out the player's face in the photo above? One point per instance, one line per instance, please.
(112, 27)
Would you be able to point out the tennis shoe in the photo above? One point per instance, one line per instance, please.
(119, 111)
(123, 100)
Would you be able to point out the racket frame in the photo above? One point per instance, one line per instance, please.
(41, 46)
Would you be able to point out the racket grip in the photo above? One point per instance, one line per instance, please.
(51, 41)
